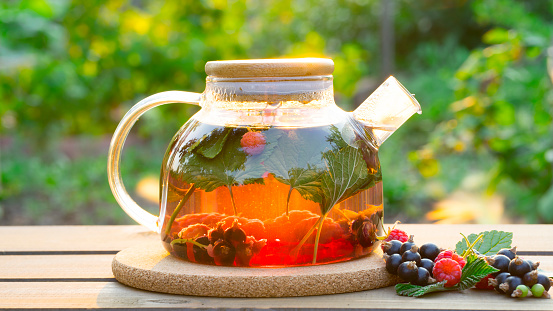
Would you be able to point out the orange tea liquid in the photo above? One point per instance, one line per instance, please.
(229, 205)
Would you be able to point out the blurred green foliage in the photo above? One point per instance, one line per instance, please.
(477, 67)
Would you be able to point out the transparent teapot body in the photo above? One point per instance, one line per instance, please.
(270, 172)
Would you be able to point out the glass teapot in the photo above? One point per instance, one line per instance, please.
(270, 172)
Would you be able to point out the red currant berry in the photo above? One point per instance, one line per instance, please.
(484, 283)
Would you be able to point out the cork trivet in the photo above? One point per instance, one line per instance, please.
(150, 267)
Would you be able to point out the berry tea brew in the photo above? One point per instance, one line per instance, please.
(270, 196)
(270, 172)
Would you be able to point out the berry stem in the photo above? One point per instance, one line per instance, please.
(288, 200)
(178, 208)
(295, 251)
(319, 228)
(343, 214)
(232, 200)
(470, 246)
(387, 233)
(182, 241)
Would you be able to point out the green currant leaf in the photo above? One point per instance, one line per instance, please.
(232, 166)
(212, 145)
(406, 289)
(297, 166)
(490, 244)
(336, 139)
(305, 181)
(346, 175)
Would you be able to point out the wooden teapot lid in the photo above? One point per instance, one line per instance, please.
(285, 67)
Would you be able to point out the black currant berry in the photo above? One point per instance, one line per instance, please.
(499, 279)
(530, 278)
(407, 245)
(408, 271)
(510, 284)
(244, 254)
(532, 264)
(427, 264)
(392, 263)
(366, 234)
(200, 253)
(181, 251)
(500, 262)
(216, 234)
(358, 223)
(545, 281)
(511, 253)
(519, 267)
(224, 253)
(412, 255)
(392, 247)
(234, 234)
(423, 277)
(430, 251)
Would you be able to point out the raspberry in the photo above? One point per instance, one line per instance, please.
(253, 143)
(447, 270)
(397, 234)
(193, 231)
(451, 255)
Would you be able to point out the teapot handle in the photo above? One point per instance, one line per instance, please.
(116, 146)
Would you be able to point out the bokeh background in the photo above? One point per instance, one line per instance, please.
(481, 152)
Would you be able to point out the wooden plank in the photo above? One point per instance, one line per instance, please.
(66, 294)
(56, 267)
(115, 295)
(114, 238)
(99, 266)
(72, 238)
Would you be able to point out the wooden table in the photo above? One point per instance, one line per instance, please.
(70, 267)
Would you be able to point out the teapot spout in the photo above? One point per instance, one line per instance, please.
(386, 109)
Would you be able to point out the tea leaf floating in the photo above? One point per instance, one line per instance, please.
(346, 174)
(228, 167)
(297, 161)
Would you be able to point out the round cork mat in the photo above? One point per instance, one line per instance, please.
(150, 267)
